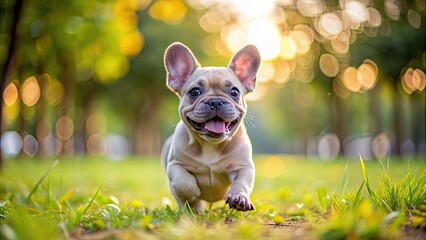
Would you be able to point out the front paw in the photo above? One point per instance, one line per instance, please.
(239, 201)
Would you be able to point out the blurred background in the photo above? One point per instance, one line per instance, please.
(338, 77)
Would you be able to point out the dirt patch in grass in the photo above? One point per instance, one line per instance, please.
(288, 230)
(413, 233)
(301, 230)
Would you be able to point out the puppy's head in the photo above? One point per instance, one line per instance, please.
(211, 99)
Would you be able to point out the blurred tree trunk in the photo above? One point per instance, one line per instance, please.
(417, 120)
(375, 115)
(147, 140)
(67, 78)
(86, 99)
(40, 112)
(375, 120)
(17, 9)
(339, 120)
(397, 121)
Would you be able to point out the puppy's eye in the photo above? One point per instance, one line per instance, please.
(234, 92)
(195, 92)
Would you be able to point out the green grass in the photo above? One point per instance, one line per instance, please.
(131, 200)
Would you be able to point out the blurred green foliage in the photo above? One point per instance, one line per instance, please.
(338, 77)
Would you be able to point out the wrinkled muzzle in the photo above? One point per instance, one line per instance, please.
(214, 118)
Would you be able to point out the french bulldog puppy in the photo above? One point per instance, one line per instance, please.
(209, 156)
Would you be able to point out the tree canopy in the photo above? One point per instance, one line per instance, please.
(337, 77)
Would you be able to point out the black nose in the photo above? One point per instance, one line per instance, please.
(215, 103)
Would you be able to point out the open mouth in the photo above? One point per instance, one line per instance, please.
(215, 125)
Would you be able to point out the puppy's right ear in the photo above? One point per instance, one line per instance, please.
(180, 63)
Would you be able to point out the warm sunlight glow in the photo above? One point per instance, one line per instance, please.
(419, 79)
(350, 80)
(339, 89)
(12, 105)
(303, 40)
(359, 79)
(171, 12)
(257, 94)
(248, 10)
(310, 8)
(30, 91)
(329, 65)
(340, 46)
(131, 43)
(213, 20)
(109, 68)
(235, 37)
(367, 74)
(266, 72)
(261, 23)
(413, 80)
(266, 37)
(282, 72)
(355, 13)
(10, 94)
(256, 24)
(407, 81)
(329, 25)
(288, 47)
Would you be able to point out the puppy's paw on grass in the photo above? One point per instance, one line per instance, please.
(239, 201)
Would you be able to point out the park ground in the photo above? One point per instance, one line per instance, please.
(294, 197)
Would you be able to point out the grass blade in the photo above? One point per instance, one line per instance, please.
(364, 170)
(364, 173)
(345, 180)
(336, 205)
(386, 206)
(93, 199)
(80, 214)
(42, 179)
(358, 197)
(188, 208)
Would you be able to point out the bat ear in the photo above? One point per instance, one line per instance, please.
(180, 63)
(245, 64)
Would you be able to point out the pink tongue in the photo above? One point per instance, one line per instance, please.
(216, 126)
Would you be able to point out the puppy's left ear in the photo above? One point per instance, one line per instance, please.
(180, 63)
(245, 64)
